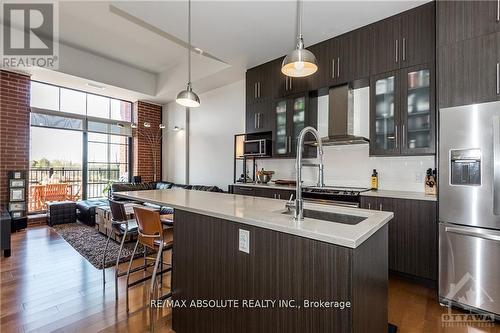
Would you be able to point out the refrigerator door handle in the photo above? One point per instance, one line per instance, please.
(496, 165)
(491, 235)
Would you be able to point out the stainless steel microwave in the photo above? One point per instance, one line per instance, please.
(260, 147)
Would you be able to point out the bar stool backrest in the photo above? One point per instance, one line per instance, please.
(118, 213)
(150, 228)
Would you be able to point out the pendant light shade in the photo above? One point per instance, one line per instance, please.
(188, 97)
(300, 62)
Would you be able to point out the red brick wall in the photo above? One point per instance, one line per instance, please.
(14, 126)
(143, 156)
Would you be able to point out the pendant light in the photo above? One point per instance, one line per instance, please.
(300, 62)
(188, 97)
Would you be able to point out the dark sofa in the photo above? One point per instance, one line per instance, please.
(86, 208)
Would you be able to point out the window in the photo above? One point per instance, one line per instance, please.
(44, 96)
(108, 157)
(64, 122)
(73, 101)
(53, 98)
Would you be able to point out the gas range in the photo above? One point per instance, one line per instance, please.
(334, 195)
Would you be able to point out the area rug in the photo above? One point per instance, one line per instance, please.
(90, 244)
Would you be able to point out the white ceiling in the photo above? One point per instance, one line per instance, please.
(241, 33)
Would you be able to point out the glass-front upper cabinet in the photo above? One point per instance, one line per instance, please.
(298, 121)
(402, 112)
(417, 126)
(384, 114)
(281, 140)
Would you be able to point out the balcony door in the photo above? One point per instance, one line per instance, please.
(56, 166)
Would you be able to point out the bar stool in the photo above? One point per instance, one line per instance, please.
(124, 226)
(152, 234)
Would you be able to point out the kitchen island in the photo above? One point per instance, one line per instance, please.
(242, 264)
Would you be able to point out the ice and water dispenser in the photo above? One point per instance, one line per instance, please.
(465, 165)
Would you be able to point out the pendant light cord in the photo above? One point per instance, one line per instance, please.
(189, 42)
(299, 18)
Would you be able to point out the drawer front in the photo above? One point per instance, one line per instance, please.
(244, 190)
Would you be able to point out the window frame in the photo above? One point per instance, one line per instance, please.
(85, 130)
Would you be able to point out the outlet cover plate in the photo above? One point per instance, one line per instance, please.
(244, 241)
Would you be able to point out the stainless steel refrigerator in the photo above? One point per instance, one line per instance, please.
(469, 207)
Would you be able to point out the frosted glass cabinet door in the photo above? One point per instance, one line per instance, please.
(298, 120)
(385, 115)
(417, 128)
(281, 135)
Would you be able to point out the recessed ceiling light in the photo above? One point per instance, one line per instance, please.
(198, 50)
(93, 85)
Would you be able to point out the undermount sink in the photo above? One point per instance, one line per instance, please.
(330, 217)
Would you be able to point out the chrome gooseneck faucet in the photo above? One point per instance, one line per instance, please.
(299, 204)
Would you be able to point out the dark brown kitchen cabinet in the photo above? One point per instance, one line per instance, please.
(259, 117)
(412, 235)
(257, 191)
(338, 60)
(342, 59)
(358, 58)
(385, 50)
(462, 20)
(468, 71)
(293, 85)
(402, 112)
(418, 30)
(261, 83)
(320, 79)
(403, 40)
(291, 115)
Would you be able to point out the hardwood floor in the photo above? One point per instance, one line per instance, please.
(46, 286)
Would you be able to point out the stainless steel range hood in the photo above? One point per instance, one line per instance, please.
(341, 118)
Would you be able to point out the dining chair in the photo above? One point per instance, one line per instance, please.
(124, 226)
(156, 236)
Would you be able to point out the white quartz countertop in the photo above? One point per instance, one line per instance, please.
(267, 213)
(400, 195)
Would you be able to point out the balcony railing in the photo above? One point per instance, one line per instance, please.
(43, 184)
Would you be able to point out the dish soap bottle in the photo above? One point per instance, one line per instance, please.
(374, 180)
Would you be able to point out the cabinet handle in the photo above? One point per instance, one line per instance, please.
(338, 67)
(404, 136)
(404, 48)
(369, 206)
(498, 10)
(286, 83)
(291, 83)
(396, 135)
(286, 144)
(333, 67)
(258, 120)
(274, 195)
(381, 207)
(396, 49)
(498, 77)
(279, 196)
(255, 90)
(255, 120)
(290, 144)
(258, 90)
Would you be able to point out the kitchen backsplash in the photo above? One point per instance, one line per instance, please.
(352, 166)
